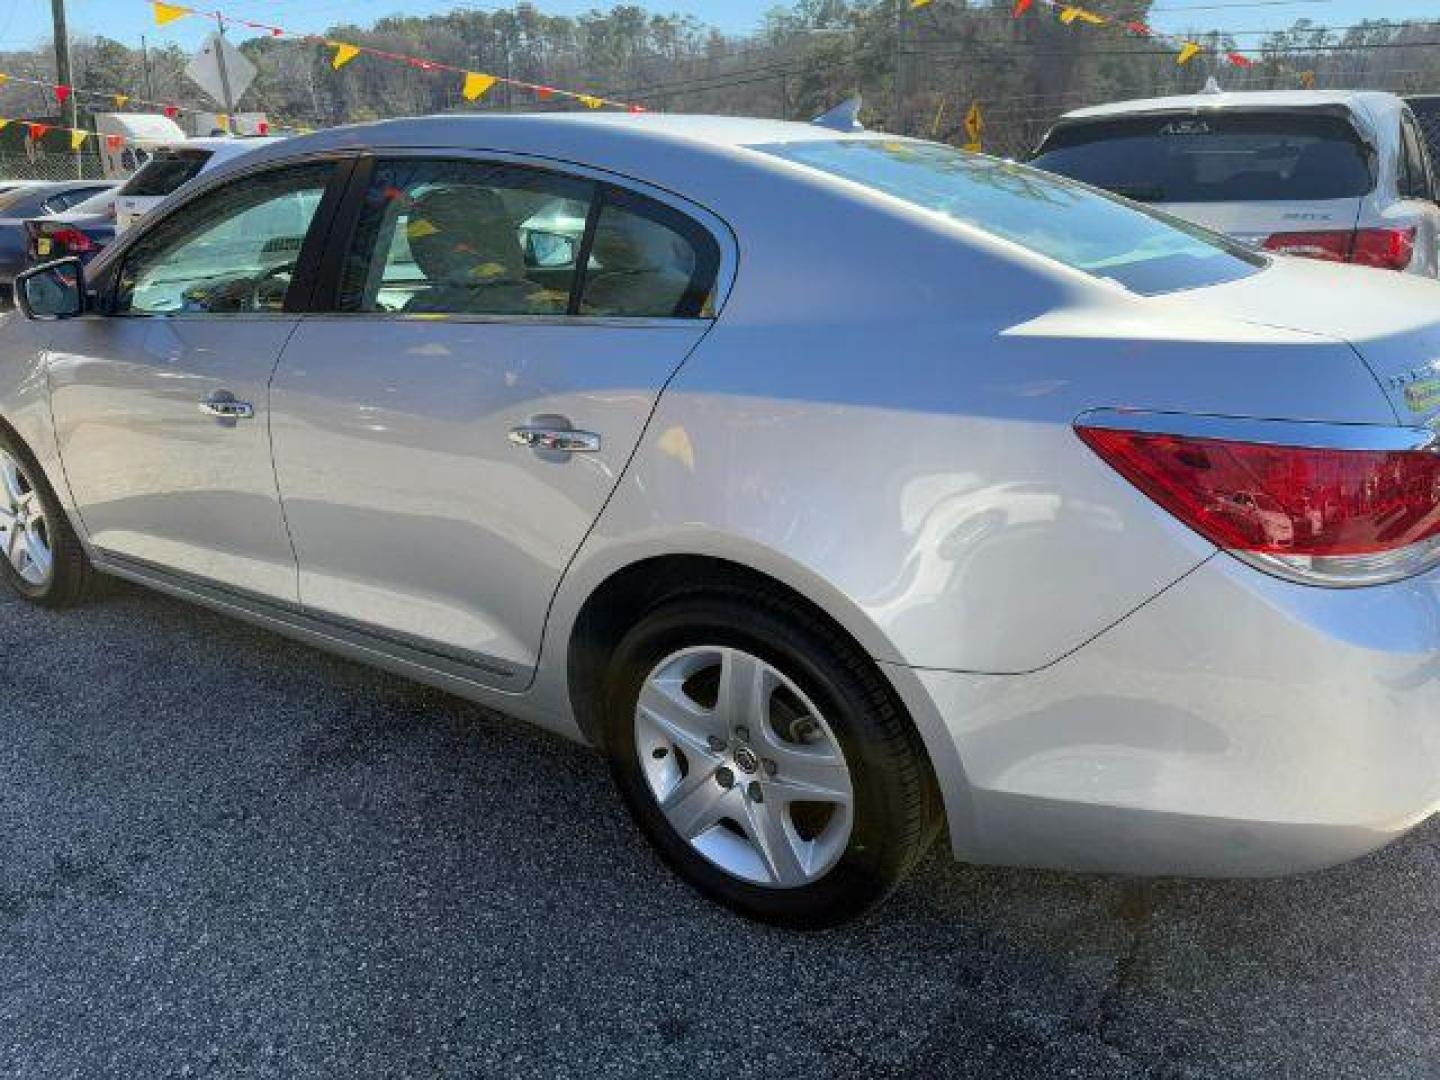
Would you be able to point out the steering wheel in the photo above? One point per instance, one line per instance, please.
(259, 301)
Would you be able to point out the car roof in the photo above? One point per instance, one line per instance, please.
(614, 140)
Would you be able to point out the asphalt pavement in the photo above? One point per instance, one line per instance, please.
(223, 854)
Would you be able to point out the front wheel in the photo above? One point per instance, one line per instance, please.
(40, 556)
(766, 759)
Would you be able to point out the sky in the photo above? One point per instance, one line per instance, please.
(25, 23)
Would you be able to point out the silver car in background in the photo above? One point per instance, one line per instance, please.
(845, 490)
(1335, 175)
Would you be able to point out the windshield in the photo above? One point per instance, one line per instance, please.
(1219, 157)
(164, 173)
(1147, 253)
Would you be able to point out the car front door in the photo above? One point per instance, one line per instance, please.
(447, 435)
(160, 397)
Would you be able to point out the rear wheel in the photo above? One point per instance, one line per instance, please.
(40, 556)
(766, 759)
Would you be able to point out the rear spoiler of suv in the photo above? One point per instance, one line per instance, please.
(1361, 122)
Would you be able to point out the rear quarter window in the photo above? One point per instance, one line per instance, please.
(1217, 157)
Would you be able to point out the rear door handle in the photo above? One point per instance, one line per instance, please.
(563, 440)
(224, 406)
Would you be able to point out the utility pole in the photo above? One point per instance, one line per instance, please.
(229, 102)
(145, 65)
(902, 68)
(70, 109)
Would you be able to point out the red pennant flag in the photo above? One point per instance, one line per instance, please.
(38, 131)
(1239, 60)
(172, 111)
(545, 93)
(1140, 28)
(62, 93)
(1022, 6)
(113, 141)
(262, 128)
(423, 65)
(637, 108)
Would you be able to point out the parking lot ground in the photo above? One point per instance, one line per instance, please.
(224, 854)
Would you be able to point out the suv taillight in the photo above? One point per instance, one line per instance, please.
(71, 241)
(1319, 515)
(1387, 249)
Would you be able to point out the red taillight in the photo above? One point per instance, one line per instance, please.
(71, 241)
(1325, 246)
(1388, 249)
(1310, 508)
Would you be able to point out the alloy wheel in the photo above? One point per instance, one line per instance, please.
(24, 531)
(744, 767)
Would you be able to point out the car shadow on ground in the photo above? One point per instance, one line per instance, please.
(226, 853)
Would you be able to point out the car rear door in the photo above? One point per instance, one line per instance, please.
(160, 398)
(445, 436)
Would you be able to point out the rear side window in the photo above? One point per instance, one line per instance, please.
(1218, 157)
(1142, 251)
(165, 173)
(648, 261)
(1415, 176)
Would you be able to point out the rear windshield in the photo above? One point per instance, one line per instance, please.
(1147, 253)
(1219, 157)
(164, 173)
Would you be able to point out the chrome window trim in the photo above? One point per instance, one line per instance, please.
(1318, 434)
(707, 219)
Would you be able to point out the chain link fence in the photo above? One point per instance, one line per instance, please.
(42, 166)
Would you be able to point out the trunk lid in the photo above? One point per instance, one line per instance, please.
(1391, 320)
(1255, 222)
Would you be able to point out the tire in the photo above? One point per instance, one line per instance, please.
(70, 577)
(772, 857)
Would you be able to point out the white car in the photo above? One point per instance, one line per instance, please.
(1340, 176)
(169, 168)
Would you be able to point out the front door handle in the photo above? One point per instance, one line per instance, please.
(224, 406)
(563, 440)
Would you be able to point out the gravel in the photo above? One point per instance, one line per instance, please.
(224, 854)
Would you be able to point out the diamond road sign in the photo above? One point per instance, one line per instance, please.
(204, 70)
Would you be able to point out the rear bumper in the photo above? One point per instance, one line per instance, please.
(1235, 725)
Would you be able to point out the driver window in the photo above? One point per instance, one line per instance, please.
(466, 238)
(231, 251)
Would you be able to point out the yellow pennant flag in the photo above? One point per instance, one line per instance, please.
(920, 3)
(477, 85)
(343, 54)
(121, 100)
(590, 102)
(222, 121)
(4, 78)
(4, 123)
(77, 138)
(1188, 53)
(1073, 14)
(168, 13)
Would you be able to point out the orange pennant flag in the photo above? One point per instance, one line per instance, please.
(1188, 53)
(1021, 7)
(343, 54)
(114, 141)
(77, 138)
(168, 13)
(477, 85)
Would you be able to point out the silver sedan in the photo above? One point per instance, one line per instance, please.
(844, 490)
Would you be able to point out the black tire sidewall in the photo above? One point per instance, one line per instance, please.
(871, 864)
(57, 530)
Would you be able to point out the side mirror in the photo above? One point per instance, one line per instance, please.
(549, 251)
(53, 291)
